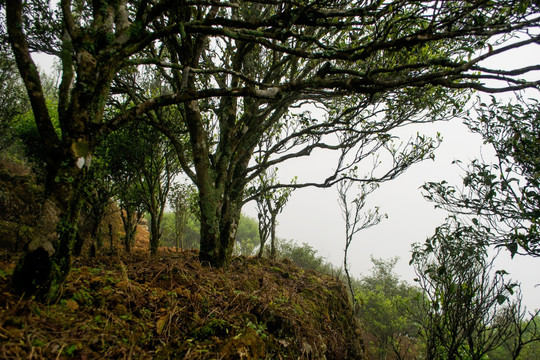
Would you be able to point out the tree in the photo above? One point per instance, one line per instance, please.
(524, 340)
(240, 67)
(270, 204)
(501, 199)
(383, 304)
(468, 309)
(92, 42)
(143, 162)
(116, 155)
(157, 168)
(190, 237)
(355, 220)
(326, 52)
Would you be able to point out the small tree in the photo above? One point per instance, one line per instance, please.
(355, 219)
(157, 167)
(525, 335)
(247, 236)
(131, 211)
(116, 151)
(383, 304)
(270, 203)
(467, 307)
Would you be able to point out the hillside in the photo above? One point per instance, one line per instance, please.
(172, 306)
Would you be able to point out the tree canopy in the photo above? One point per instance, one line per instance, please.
(235, 73)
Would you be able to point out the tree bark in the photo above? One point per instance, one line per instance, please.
(47, 260)
(130, 219)
(154, 234)
(219, 224)
(273, 239)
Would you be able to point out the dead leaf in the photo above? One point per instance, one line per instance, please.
(160, 324)
(72, 304)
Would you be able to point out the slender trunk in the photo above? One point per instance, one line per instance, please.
(263, 233)
(95, 216)
(273, 238)
(111, 239)
(179, 226)
(154, 233)
(261, 250)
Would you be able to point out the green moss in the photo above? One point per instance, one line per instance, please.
(80, 149)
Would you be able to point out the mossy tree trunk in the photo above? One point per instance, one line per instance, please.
(67, 150)
(220, 178)
(220, 214)
(47, 260)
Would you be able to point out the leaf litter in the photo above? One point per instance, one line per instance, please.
(171, 306)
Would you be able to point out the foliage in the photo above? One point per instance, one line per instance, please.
(247, 236)
(253, 81)
(13, 100)
(303, 255)
(21, 133)
(384, 303)
(502, 199)
(468, 308)
(181, 197)
(524, 341)
(142, 165)
(191, 231)
(114, 153)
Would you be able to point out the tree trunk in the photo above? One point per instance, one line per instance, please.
(219, 224)
(261, 249)
(155, 232)
(47, 260)
(129, 220)
(273, 238)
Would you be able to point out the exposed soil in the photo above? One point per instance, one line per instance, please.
(132, 306)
